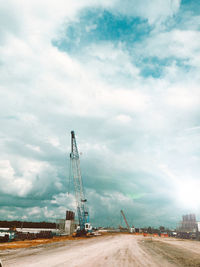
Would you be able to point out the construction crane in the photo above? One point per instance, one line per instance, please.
(129, 228)
(84, 226)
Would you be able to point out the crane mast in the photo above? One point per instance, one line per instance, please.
(126, 221)
(83, 215)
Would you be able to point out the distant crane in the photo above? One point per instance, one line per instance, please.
(83, 215)
(129, 228)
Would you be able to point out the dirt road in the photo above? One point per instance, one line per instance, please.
(107, 251)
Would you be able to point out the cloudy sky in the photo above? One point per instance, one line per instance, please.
(124, 75)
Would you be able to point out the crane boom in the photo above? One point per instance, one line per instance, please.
(83, 215)
(125, 221)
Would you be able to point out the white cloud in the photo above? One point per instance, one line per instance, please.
(34, 211)
(90, 28)
(66, 200)
(46, 92)
(124, 118)
(54, 141)
(181, 44)
(35, 148)
(10, 183)
(154, 11)
(183, 98)
(110, 60)
(26, 176)
(184, 189)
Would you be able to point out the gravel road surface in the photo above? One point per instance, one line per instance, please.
(107, 251)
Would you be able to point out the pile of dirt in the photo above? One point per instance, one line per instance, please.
(36, 242)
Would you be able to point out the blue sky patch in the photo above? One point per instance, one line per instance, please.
(154, 66)
(190, 5)
(101, 25)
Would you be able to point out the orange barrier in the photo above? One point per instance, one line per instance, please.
(164, 235)
(138, 233)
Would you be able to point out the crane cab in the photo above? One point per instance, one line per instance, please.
(86, 231)
(88, 227)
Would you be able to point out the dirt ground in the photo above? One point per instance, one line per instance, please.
(36, 242)
(106, 251)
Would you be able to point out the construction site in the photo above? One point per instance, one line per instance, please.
(72, 241)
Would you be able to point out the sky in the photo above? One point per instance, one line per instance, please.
(124, 75)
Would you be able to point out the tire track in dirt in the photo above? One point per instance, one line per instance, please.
(120, 250)
(173, 254)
